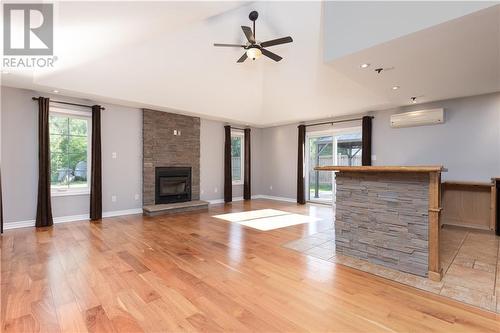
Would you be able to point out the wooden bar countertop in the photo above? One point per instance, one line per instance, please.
(409, 169)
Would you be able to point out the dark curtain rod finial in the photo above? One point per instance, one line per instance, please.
(67, 103)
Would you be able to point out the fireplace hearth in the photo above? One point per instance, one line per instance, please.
(172, 184)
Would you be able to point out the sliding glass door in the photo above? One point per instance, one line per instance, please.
(321, 152)
(333, 147)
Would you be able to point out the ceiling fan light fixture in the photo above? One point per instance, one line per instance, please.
(254, 53)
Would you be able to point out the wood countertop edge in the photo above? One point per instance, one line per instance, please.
(404, 169)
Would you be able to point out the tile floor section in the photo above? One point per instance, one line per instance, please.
(470, 260)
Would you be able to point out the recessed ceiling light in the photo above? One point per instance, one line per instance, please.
(395, 87)
(55, 91)
(365, 65)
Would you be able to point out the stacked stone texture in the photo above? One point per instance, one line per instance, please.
(161, 148)
(383, 218)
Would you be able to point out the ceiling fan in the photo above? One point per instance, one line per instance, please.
(254, 49)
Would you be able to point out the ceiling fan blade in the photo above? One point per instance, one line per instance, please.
(271, 55)
(278, 41)
(248, 33)
(229, 45)
(243, 57)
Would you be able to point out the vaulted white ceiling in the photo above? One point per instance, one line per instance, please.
(160, 55)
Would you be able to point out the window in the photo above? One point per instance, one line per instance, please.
(69, 151)
(237, 157)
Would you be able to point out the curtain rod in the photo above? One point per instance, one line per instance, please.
(336, 121)
(67, 103)
(238, 128)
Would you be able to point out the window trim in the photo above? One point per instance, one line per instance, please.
(75, 114)
(240, 134)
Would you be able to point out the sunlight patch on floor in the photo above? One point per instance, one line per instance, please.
(267, 219)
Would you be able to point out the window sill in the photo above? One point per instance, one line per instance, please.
(237, 183)
(68, 193)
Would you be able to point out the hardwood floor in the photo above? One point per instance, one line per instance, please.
(192, 272)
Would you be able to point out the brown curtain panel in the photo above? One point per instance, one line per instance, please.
(228, 181)
(247, 190)
(44, 205)
(1, 204)
(301, 198)
(366, 157)
(96, 166)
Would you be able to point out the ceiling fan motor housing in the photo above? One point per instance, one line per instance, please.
(253, 16)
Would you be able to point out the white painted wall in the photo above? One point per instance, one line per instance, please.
(352, 26)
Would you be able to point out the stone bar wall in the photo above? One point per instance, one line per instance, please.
(161, 148)
(383, 218)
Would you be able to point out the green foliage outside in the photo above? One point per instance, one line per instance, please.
(236, 157)
(68, 148)
(235, 146)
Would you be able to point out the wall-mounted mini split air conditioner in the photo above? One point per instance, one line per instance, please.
(417, 118)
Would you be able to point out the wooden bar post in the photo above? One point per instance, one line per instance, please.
(435, 271)
(493, 204)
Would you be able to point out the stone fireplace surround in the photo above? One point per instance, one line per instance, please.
(169, 140)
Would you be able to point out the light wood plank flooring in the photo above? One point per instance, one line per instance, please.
(192, 272)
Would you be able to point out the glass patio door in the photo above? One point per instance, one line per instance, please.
(336, 147)
(320, 152)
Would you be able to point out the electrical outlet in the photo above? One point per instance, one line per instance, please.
(374, 157)
(113, 155)
(271, 187)
(202, 191)
(136, 196)
(113, 198)
(216, 190)
(175, 132)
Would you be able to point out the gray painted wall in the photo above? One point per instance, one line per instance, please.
(122, 176)
(212, 161)
(468, 144)
(279, 161)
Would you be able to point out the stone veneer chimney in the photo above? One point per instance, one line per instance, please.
(163, 148)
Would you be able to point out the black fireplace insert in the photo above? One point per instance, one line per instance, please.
(173, 184)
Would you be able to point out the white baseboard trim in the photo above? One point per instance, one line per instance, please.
(18, 224)
(85, 217)
(215, 201)
(271, 197)
(257, 196)
(221, 201)
(71, 218)
(122, 212)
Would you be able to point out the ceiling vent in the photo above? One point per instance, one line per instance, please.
(417, 118)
